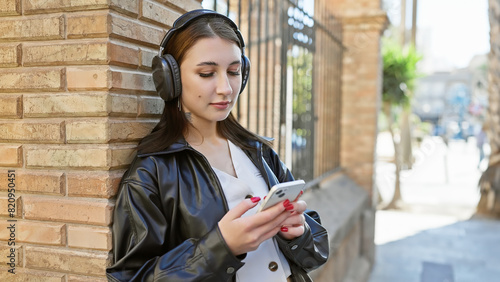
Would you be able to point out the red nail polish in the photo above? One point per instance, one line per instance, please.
(301, 192)
(289, 207)
(284, 229)
(255, 199)
(285, 203)
(265, 197)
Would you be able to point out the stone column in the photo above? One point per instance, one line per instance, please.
(75, 97)
(363, 23)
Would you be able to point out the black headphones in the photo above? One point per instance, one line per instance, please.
(166, 71)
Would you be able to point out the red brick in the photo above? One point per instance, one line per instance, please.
(130, 30)
(29, 275)
(125, 131)
(120, 55)
(66, 157)
(87, 53)
(10, 8)
(133, 82)
(34, 132)
(79, 278)
(6, 250)
(88, 25)
(123, 105)
(35, 232)
(128, 7)
(10, 56)
(40, 182)
(34, 80)
(46, 6)
(158, 14)
(122, 156)
(150, 106)
(88, 131)
(88, 78)
(11, 155)
(74, 104)
(94, 184)
(11, 106)
(6, 204)
(67, 210)
(65, 260)
(186, 5)
(46, 28)
(86, 237)
(79, 156)
(146, 58)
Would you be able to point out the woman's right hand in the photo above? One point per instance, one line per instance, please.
(245, 234)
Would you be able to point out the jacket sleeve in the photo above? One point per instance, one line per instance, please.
(141, 229)
(310, 250)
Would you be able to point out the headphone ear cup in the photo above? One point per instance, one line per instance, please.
(245, 71)
(166, 76)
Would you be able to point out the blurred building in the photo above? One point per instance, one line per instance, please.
(454, 102)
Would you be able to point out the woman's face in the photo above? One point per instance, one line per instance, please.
(211, 79)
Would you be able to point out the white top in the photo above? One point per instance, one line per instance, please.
(249, 181)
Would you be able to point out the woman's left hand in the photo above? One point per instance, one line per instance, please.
(293, 226)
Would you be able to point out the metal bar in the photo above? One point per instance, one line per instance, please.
(283, 25)
(238, 107)
(259, 8)
(266, 83)
(273, 91)
(249, 47)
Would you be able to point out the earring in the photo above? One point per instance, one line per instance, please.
(179, 105)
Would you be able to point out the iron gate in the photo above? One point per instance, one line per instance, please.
(293, 93)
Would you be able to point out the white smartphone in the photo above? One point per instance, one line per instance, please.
(282, 191)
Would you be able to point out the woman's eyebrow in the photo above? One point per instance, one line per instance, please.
(211, 63)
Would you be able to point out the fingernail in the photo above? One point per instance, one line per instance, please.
(301, 192)
(284, 229)
(289, 207)
(285, 203)
(255, 199)
(265, 197)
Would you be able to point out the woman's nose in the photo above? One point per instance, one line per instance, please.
(223, 85)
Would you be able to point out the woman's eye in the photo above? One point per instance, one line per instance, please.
(234, 72)
(206, 74)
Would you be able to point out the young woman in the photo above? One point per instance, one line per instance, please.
(186, 206)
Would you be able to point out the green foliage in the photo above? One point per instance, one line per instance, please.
(400, 72)
(302, 64)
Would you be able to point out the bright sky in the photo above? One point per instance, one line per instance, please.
(450, 32)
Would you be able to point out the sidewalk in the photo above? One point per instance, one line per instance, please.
(435, 237)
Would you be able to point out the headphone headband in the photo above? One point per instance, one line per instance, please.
(185, 19)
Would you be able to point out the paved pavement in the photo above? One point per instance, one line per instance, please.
(435, 236)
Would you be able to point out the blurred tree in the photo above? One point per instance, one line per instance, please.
(399, 74)
(489, 183)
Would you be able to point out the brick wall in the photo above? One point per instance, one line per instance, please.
(75, 97)
(363, 23)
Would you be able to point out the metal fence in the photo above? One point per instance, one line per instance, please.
(294, 90)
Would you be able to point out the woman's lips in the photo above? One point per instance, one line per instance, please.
(221, 105)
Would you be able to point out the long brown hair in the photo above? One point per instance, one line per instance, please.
(173, 123)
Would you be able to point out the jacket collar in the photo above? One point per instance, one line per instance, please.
(182, 144)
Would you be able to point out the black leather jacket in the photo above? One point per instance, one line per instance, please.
(165, 220)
